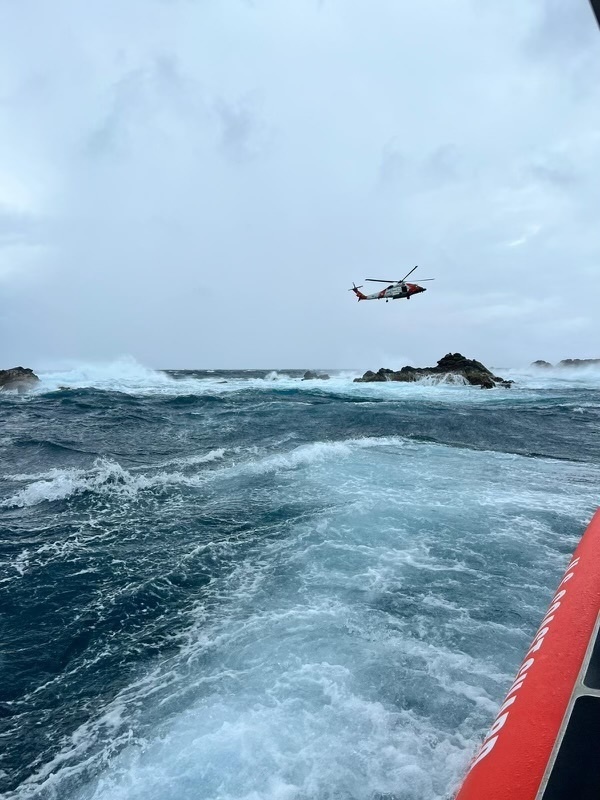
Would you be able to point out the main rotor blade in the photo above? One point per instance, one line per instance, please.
(380, 280)
(420, 280)
(407, 274)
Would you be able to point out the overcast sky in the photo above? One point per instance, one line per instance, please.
(196, 183)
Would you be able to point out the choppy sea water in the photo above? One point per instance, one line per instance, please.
(245, 586)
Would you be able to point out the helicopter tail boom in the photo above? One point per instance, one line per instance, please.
(358, 293)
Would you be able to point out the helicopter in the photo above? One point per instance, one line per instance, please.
(395, 290)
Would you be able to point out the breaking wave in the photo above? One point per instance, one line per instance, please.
(448, 379)
(221, 586)
(105, 477)
(555, 377)
(109, 477)
(124, 374)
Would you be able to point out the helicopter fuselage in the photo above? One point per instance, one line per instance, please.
(395, 291)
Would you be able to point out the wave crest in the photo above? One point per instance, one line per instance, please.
(105, 477)
(108, 477)
(124, 374)
(446, 379)
(59, 484)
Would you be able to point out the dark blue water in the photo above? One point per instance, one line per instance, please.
(246, 585)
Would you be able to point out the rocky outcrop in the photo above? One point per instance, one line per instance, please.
(309, 375)
(570, 362)
(380, 376)
(579, 362)
(453, 364)
(17, 379)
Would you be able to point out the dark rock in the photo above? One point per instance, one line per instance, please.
(309, 375)
(579, 362)
(473, 372)
(17, 379)
(372, 377)
(541, 363)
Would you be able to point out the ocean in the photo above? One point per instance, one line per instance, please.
(223, 585)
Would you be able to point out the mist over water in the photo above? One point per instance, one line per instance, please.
(242, 585)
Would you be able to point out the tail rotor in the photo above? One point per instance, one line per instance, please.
(356, 291)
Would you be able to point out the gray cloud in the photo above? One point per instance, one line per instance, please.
(136, 102)
(564, 27)
(198, 184)
(18, 227)
(238, 129)
(444, 165)
(556, 170)
(393, 165)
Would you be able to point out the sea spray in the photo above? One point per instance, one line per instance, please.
(223, 586)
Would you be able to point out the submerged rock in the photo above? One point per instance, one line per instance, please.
(452, 364)
(17, 379)
(309, 375)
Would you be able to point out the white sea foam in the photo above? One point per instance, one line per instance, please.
(58, 484)
(344, 653)
(129, 376)
(448, 379)
(21, 562)
(308, 454)
(191, 461)
(124, 374)
(555, 377)
(108, 477)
